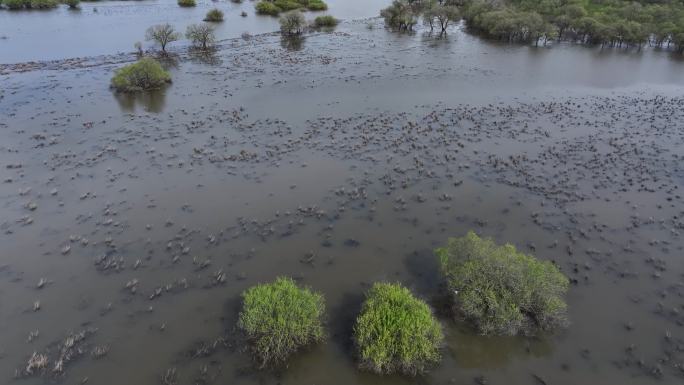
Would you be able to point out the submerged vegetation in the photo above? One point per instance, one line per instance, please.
(29, 4)
(280, 318)
(616, 23)
(187, 3)
(275, 7)
(201, 35)
(325, 21)
(292, 23)
(162, 34)
(500, 290)
(214, 15)
(396, 332)
(145, 74)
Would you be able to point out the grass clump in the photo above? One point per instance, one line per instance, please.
(501, 290)
(214, 15)
(396, 332)
(292, 23)
(267, 8)
(316, 5)
(145, 74)
(187, 3)
(325, 21)
(280, 318)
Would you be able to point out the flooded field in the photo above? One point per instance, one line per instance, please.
(131, 224)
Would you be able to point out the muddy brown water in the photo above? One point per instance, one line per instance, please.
(341, 163)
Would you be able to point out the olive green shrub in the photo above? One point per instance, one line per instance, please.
(500, 290)
(396, 332)
(280, 318)
(145, 74)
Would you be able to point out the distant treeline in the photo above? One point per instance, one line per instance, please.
(607, 22)
(617, 23)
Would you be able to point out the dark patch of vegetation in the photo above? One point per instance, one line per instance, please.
(145, 74)
(440, 15)
(214, 15)
(400, 15)
(162, 34)
(29, 4)
(187, 3)
(618, 23)
(292, 23)
(325, 21)
(500, 290)
(73, 4)
(280, 318)
(396, 332)
(275, 7)
(201, 35)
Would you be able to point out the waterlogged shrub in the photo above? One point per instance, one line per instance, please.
(501, 290)
(146, 74)
(280, 318)
(162, 34)
(15, 4)
(214, 15)
(43, 4)
(316, 5)
(396, 332)
(399, 15)
(267, 8)
(29, 4)
(287, 5)
(201, 36)
(325, 21)
(292, 23)
(187, 3)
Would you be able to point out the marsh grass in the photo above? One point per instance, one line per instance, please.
(279, 318)
(396, 332)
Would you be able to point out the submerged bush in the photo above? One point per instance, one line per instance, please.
(399, 15)
(267, 8)
(146, 74)
(287, 5)
(214, 15)
(501, 290)
(316, 5)
(292, 23)
(187, 3)
(325, 21)
(201, 35)
(280, 318)
(396, 332)
(29, 4)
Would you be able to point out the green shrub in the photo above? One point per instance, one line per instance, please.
(265, 7)
(501, 290)
(287, 5)
(317, 5)
(43, 4)
(214, 15)
(279, 318)
(201, 35)
(73, 4)
(14, 4)
(325, 21)
(187, 3)
(146, 74)
(292, 23)
(396, 332)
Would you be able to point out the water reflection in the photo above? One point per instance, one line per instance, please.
(292, 43)
(151, 101)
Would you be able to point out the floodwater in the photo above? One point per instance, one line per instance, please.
(136, 222)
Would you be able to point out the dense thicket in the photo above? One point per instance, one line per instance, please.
(618, 23)
(607, 22)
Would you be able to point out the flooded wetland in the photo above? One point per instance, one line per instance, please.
(132, 222)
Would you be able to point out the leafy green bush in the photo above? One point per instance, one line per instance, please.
(43, 4)
(317, 5)
(399, 15)
(214, 15)
(287, 5)
(146, 74)
(292, 23)
(325, 21)
(15, 4)
(265, 7)
(501, 290)
(279, 318)
(187, 3)
(396, 332)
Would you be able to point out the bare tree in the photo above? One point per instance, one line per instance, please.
(163, 34)
(201, 35)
